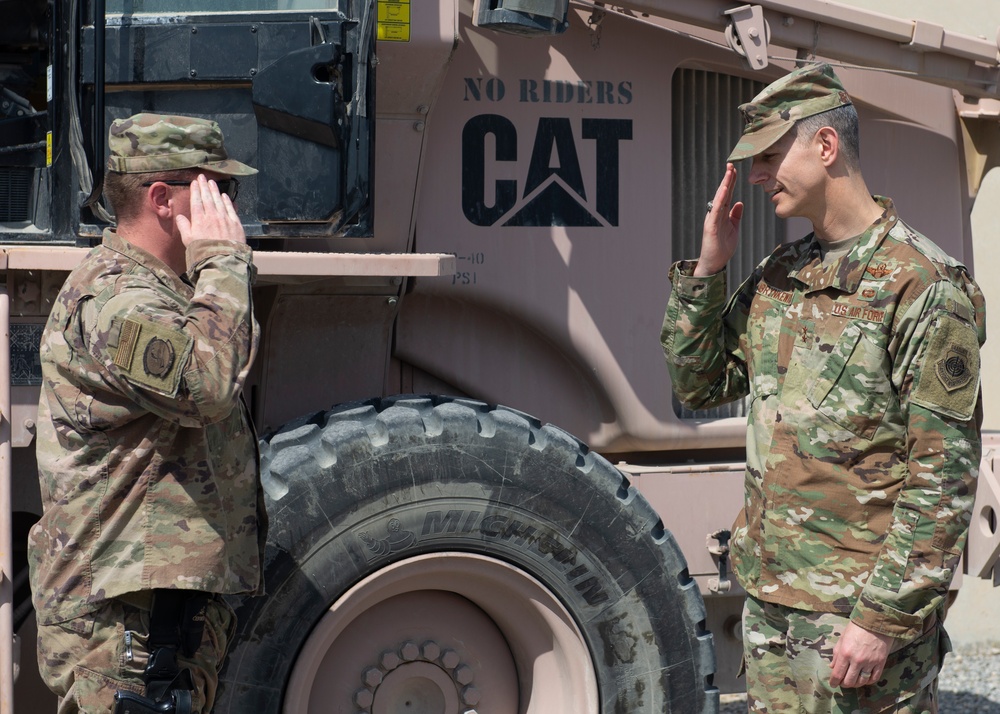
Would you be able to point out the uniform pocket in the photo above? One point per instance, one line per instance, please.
(851, 386)
(93, 691)
(906, 681)
(744, 551)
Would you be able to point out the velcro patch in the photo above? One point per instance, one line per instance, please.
(126, 344)
(152, 355)
(953, 368)
(949, 376)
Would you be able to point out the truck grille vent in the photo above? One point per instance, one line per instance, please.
(15, 194)
(25, 364)
(706, 126)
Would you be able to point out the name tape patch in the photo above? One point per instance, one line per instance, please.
(858, 312)
(785, 298)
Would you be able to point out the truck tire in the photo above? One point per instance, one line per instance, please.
(437, 555)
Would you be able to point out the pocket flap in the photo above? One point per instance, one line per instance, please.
(833, 366)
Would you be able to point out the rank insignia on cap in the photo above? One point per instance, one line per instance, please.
(953, 368)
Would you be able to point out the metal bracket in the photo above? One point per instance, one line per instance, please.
(721, 584)
(927, 37)
(983, 547)
(748, 34)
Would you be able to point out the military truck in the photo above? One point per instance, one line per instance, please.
(463, 205)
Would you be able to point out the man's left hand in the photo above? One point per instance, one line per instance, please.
(859, 657)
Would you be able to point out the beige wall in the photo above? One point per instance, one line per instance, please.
(986, 244)
(978, 18)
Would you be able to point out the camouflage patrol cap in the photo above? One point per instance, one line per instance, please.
(801, 93)
(159, 142)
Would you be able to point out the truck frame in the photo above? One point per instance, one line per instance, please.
(463, 205)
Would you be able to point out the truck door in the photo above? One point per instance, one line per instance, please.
(289, 81)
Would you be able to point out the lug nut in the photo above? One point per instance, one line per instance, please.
(450, 659)
(372, 676)
(431, 650)
(471, 695)
(364, 698)
(464, 674)
(409, 651)
(389, 660)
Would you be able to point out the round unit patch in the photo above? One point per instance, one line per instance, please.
(158, 358)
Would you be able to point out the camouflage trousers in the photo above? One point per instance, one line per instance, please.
(788, 655)
(85, 661)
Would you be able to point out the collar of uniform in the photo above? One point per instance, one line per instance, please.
(845, 274)
(150, 262)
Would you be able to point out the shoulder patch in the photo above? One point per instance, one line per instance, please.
(152, 355)
(126, 344)
(949, 375)
(158, 358)
(953, 368)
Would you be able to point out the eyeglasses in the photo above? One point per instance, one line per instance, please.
(229, 186)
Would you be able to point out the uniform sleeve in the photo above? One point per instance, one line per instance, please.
(936, 370)
(185, 363)
(701, 338)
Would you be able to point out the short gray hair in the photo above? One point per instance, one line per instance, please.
(843, 120)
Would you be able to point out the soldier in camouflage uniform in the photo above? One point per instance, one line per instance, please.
(858, 346)
(146, 454)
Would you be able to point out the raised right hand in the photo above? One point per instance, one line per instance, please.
(721, 233)
(213, 216)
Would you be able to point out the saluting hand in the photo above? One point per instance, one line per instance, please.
(213, 216)
(722, 228)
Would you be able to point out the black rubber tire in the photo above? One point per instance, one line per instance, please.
(335, 474)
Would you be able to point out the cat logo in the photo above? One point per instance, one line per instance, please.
(552, 192)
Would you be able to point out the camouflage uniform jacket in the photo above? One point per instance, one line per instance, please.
(146, 455)
(863, 441)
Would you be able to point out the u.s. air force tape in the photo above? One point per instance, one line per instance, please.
(152, 355)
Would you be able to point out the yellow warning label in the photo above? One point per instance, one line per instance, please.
(394, 20)
(48, 148)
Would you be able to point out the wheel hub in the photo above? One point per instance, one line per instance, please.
(412, 679)
(445, 633)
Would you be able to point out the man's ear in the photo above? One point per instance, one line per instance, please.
(157, 198)
(827, 144)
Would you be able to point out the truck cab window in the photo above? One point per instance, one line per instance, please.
(129, 7)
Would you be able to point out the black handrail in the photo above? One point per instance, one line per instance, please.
(98, 123)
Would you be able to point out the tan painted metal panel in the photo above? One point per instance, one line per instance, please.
(975, 18)
(983, 549)
(359, 264)
(821, 28)
(693, 501)
(561, 321)
(268, 263)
